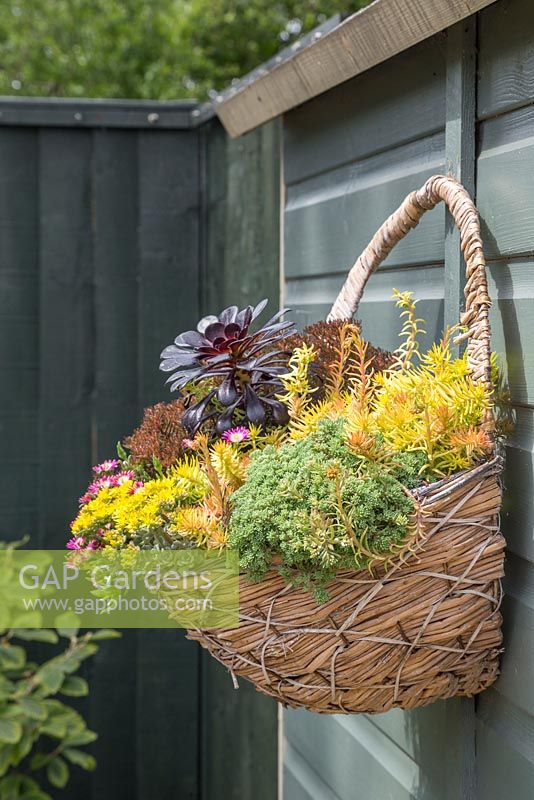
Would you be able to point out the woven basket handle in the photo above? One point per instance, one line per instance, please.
(477, 302)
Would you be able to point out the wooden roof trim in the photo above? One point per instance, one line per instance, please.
(361, 41)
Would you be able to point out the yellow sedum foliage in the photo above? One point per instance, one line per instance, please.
(426, 403)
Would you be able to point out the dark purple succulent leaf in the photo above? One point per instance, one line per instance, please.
(227, 392)
(275, 317)
(214, 331)
(278, 410)
(191, 338)
(225, 420)
(233, 330)
(265, 333)
(205, 321)
(228, 315)
(193, 416)
(264, 358)
(244, 318)
(259, 308)
(175, 363)
(253, 406)
(178, 352)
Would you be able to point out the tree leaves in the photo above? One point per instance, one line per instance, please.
(10, 731)
(57, 772)
(131, 48)
(38, 732)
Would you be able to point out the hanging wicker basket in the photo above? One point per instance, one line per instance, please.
(427, 627)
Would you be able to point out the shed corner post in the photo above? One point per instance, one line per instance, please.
(460, 155)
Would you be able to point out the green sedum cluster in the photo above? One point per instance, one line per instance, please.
(319, 506)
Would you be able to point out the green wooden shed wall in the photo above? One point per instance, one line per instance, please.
(113, 221)
(460, 102)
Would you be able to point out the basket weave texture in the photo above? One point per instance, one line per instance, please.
(426, 626)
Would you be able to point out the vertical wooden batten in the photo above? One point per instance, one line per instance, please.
(460, 155)
(460, 119)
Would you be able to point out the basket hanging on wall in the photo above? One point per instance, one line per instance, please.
(427, 627)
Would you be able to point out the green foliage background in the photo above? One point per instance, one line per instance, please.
(162, 49)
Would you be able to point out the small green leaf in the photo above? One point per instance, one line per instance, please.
(74, 686)
(105, 633)
(50, 678)
(56, 728)
(37, 635)
(33, 708)
(10, 731)
(57, 772)
(81, 759)
(6, 751)
(39, 760)
(12, 657)
(121, 452)
(81, 738)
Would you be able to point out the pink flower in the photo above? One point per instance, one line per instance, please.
(85, 498)
(76, 543)
(137, 487)
(188, 444)
(124, 477)
(236, 435)
(79, 543)
(93, 545)
(106, 466)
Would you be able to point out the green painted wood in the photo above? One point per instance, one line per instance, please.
(168, 249)
(310, 300)
(80, 113)
(504, 188)
(167, 697)
(331, 218)
(240, 254)
(507, 721)
(506, 60)
(241, 219)
(19, 303)
(503, 770)
(300, 782)
(66, 342)
(518, 509)
(352, 756)
(460, 111)
(371, 113)
(112, 706)
(115, 220)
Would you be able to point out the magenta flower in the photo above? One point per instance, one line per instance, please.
(93, 545)
(236, 435)
(106, 466)
(137, 487)
(86, 498)
(124, 477)
(79, 543)
(76, 543)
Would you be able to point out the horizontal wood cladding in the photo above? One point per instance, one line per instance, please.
(310, 299)
(331, 217)
(401, 101)
(506, 57)
(505, 193)
(352, 756)
(505, 749)
(301, 782)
